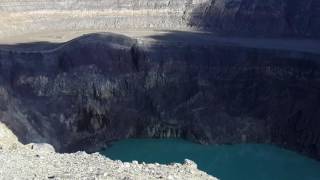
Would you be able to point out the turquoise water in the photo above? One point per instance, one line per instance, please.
(227, 162)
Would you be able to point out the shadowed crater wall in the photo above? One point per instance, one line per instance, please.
(276, 18)
(103, 87)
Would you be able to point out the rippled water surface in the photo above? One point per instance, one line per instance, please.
(227, 162)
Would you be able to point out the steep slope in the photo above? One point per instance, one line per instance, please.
(292, 18)
(103, 87)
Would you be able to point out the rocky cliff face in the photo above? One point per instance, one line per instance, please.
(292, 18)
(104, 87)
(259, 17)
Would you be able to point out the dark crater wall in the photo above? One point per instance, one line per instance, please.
(278, 18)
(105, 87)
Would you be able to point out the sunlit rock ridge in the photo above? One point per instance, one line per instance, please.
(34, 16)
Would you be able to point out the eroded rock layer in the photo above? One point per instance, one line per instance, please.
(20, 17)
(293, 18)
(103, 87)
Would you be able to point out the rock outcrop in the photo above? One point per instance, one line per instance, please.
(7, 139)
(39, 161)
(103, 87)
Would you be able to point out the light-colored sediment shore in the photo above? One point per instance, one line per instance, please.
(40, 161)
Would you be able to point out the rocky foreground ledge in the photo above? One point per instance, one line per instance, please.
(40, 161)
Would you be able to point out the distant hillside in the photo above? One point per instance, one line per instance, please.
(268, 18)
